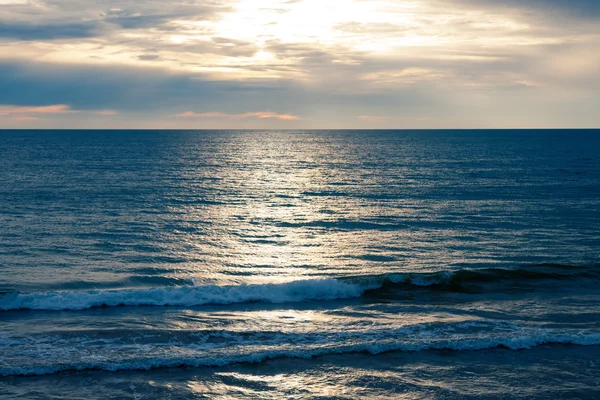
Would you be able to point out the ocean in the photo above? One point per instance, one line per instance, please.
(332, 264)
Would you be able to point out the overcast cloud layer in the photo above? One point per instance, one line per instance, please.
(299, 64)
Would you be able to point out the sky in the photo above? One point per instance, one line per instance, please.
(299, 64)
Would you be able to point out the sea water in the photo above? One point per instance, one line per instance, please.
(295, 264)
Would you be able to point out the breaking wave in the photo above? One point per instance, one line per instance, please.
(191, 356)
(296, 291)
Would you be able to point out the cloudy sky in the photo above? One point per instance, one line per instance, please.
(299, 63)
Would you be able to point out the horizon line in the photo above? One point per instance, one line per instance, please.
(294, 129)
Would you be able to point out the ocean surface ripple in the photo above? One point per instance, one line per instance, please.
(135, 252)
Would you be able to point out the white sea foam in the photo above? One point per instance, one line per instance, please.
(300, 290)
(319, 289)
(189, 356)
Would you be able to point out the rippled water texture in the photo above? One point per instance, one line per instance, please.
(345, 264)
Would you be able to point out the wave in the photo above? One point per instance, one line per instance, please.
(323, 289)
(187, 357)
(363, 195)
(465, 280)
(344, 224)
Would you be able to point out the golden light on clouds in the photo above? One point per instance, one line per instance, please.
(317, 55)
(30, 113)
(260, 115)
(51, 109)
(277, 39)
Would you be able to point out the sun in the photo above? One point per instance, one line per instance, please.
(313, 21)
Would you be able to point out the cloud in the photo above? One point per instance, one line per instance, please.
(588, 9)
(32, 113)
(260, 115)
(266, 115)
(31, 32)
(191, 114)
(25, 118)
(54, 19)
(36, 110)
(106, 112)
(158, 14)
(473, 96)
(148, 57)
(136, 90)
(460, 61)
(373, 118)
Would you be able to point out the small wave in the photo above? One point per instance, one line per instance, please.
(363, 195)
(150, 280)
(301, 290)
(188, 359)
(458, 280)
(344, 225)
(561, 266)
(376, 258)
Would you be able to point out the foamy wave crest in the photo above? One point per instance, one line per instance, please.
(321, 289)
(188, 357)
(301, 290)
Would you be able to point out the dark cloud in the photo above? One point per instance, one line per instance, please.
(121, 88)
(583, 8)
(146, 97)
(139, 21)
(29, 32)
(574, 8)
(154, 16)
(148, 57)
(159, 93)
(61, 19)
(232, 42)
(538, 52)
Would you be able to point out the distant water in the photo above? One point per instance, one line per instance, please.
(294, 264)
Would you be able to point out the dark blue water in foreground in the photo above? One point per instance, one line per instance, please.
(294, 264)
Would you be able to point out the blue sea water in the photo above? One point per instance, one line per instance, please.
(295, 264)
